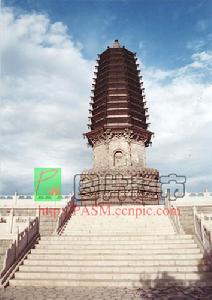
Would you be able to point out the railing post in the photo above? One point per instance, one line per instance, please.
(211, 242)
(28, 229)
(194, 219)
(11, 221)
(17, 241)
(202, 228)
(38, 215)
(63, 214)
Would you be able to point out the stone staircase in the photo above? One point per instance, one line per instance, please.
(48, 223)
(119, 251)
(187, 216)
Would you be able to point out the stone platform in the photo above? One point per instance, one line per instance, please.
(120, 186)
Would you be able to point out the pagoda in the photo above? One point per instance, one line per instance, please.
(119, 133)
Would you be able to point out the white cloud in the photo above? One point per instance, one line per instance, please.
(196, 45)
(45, 92)
(44, 100)
(205, 42)
(180, 112)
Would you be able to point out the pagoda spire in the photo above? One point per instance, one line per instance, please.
(116, 44)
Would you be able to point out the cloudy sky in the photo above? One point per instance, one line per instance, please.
(48, 53)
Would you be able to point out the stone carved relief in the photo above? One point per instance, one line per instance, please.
(107, 135)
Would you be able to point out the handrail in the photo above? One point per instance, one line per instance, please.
(203, 230)
(65, 214)
(173, 217)
(11, 220)
(19, 247)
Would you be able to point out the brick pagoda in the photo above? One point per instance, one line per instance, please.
(119, 133)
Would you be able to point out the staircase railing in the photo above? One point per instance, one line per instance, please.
(23, 242)
(174, 217)
(65, 214)
(203, 230)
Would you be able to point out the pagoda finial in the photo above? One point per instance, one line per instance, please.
(116, 44)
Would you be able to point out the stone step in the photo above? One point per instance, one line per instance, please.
(85, 243)
(121, 219)
(115, 256)
(121, 227)
(111, 228)
(47, 227)
(52, 219)
(160, 261)
(111, 276)
(117, 246)
(164, 282)
(108, 232)
(117, 251)
(125, 236)
(112, 233)
(187, 223)
(112, 269)
(148, 220)
(45, 233)
(124, 224)
(113, 215)
(5, 243)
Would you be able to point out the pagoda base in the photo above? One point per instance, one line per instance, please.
(127, 186)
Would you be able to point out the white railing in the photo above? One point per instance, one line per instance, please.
(203, 229)
(8, 201)
(19, 247)
(65, 214)
(9, 223)
(174, 214)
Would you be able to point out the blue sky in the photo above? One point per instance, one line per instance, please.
(159, 30)
(48, 52)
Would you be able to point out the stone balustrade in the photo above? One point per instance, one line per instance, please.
(174, 217)
(195, 199)
(28, 201)
(19, 247)
(203, 229)
(65, 214)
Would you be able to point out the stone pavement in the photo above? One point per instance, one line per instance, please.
(42, 293)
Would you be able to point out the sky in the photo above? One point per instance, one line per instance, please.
(48, 54)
